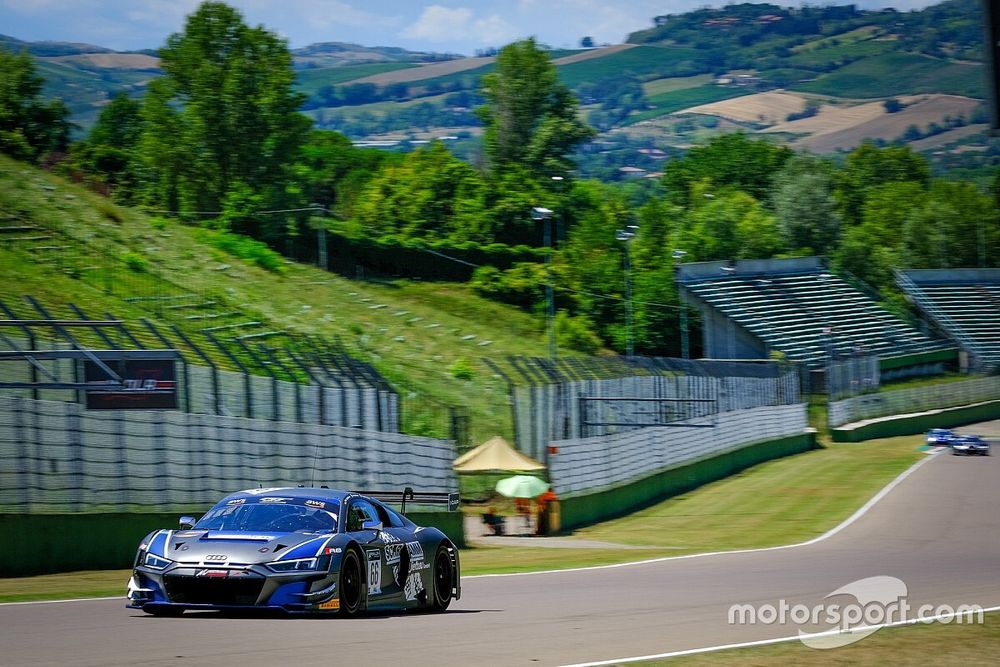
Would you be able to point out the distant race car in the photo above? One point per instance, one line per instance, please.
(299, 550)
(966, 445)
(940, 436)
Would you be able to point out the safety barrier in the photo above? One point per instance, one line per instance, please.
(916, 399)
(590, 508)
(911, 424)
(588, 465)
(57, 457)
(48, 543)
(580, 409)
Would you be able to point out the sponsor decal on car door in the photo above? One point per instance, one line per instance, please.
(374, 572)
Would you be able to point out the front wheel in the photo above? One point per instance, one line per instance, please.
(351, 584)
(443, 578)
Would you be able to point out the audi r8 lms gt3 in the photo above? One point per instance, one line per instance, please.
(967, 445)
(297, 550)
(940, 436)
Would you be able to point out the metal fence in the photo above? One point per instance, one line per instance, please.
(916, 399)
(207, 390)
(59, 457)
(852, 376)
(543, 413)
(587, 465)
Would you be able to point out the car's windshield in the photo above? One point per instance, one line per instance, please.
(281, 515)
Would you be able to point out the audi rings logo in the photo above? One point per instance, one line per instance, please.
(215, 558)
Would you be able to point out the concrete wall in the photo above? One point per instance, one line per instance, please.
(919, 423)
(914, 399)
(50, 543)
(722, 338)
(602, 505)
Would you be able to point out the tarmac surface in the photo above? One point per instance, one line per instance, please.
(938, 531)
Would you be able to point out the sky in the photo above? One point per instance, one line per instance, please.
(452, 26)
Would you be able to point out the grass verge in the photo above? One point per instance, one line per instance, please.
(933, 644)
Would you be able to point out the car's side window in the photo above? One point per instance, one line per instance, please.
(359, 512)
(389, 518)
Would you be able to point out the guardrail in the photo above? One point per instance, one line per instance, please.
(915, 399)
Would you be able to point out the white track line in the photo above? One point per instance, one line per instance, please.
(765, 642)
(11, 604)
(830, 533)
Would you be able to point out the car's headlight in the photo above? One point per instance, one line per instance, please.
(294, 565)
(156, 562)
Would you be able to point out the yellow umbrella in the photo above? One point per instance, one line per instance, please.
(495, 454)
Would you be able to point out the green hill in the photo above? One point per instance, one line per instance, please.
(899, 74)
(63, 244)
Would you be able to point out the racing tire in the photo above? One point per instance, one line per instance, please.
(157, 610)
(443, 576)
(352, 584)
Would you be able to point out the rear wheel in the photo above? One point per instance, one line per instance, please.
(443, 578)
(351, 583)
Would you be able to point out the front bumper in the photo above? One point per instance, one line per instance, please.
(220, 588)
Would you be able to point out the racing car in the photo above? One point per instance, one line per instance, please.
(940, 436)
(966, 445)
(298, 550)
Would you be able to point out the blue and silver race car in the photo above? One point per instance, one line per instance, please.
(306, 550)
(967, 445)
(940, 437)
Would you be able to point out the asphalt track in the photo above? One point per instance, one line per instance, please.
(938, 530)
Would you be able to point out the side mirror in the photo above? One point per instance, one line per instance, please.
(371, 525)
(187, 522)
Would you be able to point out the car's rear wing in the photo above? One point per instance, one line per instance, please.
(408, 495)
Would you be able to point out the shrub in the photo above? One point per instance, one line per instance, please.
(135, 263)
(576, 333)
(110, 211)
(460, 370)
(247, 249)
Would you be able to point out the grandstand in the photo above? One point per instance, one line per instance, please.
(798, 307)
(964, 304)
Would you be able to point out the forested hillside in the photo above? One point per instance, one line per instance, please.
(218, 144)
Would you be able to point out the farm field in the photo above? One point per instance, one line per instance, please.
(423, 72)
(899, 74)
(108, 60)
(682, 100)
(931, 109)
(310, 80)
(946, 138)
(771, 107)
(638, 60)
(670, 84)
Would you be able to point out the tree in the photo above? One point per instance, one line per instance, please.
(224, 120)
(726, 161)
(430, 194)
(109, 151)
(530, 117)
(868, 166)
(29, 126)
(805, 206)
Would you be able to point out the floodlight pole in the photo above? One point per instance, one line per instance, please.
(321, 259)
(545, 215)
(626, 235)
(678, 255)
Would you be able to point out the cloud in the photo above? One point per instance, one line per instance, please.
(444, 24)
